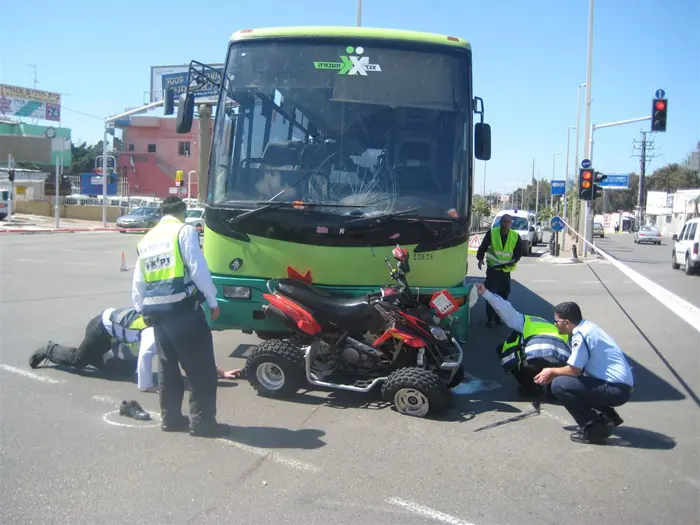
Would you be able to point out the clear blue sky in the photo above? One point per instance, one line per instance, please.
(529, 58)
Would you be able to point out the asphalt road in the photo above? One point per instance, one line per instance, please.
(334, 457)
(654, 262)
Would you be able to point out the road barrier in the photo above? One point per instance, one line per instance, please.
(679, 306)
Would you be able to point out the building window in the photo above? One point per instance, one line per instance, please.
(183, 149)
(151, 148)
(131, 147)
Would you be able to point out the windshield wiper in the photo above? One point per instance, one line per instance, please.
(387, 215)
(399, 215)
(267, 205)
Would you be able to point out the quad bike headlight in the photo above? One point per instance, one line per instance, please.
(438, 333)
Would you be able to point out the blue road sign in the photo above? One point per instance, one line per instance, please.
(91, 184)
(558, 187)
(585, 164)
(557, 224)
(660, 93)
(616, 182)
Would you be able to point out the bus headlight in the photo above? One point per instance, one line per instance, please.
(236, 292)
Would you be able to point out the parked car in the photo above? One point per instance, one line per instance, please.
(195, 217)
(598, 230)
(647, 234)
(140, 218)
(685, 247)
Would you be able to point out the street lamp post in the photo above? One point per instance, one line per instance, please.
(585, 205)
(551, 194)
(566, 185)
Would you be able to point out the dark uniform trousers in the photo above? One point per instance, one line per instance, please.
(184, 339)
(96, 343)
(497, 282)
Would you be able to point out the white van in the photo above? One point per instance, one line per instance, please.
(4, 204)
(685, 247)
(524, 224)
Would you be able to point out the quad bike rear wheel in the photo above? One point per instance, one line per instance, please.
(275, 368)
(416, 392)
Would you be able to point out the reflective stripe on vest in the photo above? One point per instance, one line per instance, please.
(542, 339)
(167, 282)
(510, 353)
(499, 254)
(131, 322)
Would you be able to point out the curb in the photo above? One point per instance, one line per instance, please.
(70, 230)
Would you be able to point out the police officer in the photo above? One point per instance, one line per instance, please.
(534, 344)
(171, 282)
(597, 376)
(500, 246)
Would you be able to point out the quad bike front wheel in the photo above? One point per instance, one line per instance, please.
(275, 368)
(416, 392)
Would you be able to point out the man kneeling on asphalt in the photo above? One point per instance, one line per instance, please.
(534, 344)
(112, 341)
(596, 378)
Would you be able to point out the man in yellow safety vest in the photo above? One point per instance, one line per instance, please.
(500, 247)
(534, 344)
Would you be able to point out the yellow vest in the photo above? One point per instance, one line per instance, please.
(540, 338)
(499, 254)
(168, 288)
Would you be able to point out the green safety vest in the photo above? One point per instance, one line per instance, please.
(168, 286)
(128, 319)
(540, 338)
(499, 254)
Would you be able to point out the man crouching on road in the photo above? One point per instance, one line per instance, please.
(534, 344)
(596, 378)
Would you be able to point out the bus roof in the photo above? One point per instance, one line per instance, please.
(350, 32)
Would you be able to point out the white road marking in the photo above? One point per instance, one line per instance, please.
(474, 384)
(29, 261)
(422, 510)
(144, 424)
(274, 456)
(31, 375)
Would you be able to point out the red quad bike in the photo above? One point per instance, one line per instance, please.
(357, 343)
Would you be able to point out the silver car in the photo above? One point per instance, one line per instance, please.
(647, 234)
(598, 230)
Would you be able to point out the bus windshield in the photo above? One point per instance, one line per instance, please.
(379, 128)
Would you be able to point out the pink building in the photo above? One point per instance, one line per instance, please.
(154, 151)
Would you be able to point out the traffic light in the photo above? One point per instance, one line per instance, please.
(11, 174)
(585, 184)
(658, 114)
(597, 190)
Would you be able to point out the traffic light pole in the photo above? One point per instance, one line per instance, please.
(588, 225)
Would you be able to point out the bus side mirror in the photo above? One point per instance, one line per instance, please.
(482, 141)
(185, 113)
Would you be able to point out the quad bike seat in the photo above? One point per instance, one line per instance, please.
(349, 312)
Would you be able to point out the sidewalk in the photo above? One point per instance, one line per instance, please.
(566, 255)
(24, 223)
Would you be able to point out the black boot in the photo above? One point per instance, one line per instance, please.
(41, 354)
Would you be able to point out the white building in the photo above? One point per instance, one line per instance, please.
(668, 211)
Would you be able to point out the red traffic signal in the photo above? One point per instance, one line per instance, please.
(658, 114)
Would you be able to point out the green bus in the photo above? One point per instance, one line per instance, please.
(330, 146)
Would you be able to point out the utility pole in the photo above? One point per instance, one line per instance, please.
(359, 13)
(584, 211)
(646, 150)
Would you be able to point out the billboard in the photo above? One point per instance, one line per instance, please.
(91, 184)
(18, 101)
(177, 77)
